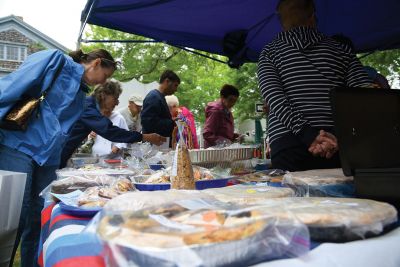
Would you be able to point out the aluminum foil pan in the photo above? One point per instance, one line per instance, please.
(220, 155)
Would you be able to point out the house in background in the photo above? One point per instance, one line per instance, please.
(18, 40)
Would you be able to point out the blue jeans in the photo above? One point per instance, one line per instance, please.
(38, 177)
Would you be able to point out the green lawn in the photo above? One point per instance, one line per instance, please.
(17, 259)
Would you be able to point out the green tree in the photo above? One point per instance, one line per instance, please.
(201, 77)
(385, 62)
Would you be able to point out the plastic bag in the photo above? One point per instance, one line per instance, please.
(249, 194)
(320, 183)
(337, 219)
(69, 180)
(273, 176)
(182, 170)
(143, 199)
(197, 232)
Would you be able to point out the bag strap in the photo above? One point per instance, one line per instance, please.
(59, 68)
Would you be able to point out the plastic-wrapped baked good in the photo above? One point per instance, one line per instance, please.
(91, 198)
(137, 200)
(195, 232)
(320, 183)
(249, 194)
(337, 219)
(184, 178)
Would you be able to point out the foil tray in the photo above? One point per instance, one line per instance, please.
(220, 155)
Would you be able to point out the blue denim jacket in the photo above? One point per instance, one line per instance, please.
(63, 105)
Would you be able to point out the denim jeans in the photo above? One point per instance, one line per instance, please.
(38, 177)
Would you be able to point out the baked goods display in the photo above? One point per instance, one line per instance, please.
(337, 219)
(98, 196)
(248, 194)
(208, 235)
(320, 183)
(184, 178)
(273, 176)
(72, 183)
(137, 200)
(74, 179)
(163, 176)
(236, 225)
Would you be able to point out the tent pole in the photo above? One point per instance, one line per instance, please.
(83, 24)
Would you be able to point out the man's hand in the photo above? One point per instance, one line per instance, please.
(114, 149)
(325, 145)
(154, 138)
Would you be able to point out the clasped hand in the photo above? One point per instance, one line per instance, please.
(325, 145)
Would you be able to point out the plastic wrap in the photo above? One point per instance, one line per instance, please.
(337, 219)
(94, 171)
(182, 171)
(94, 196)
(320, 183)
(79, 182)
(273, 176)
(69, 180)
(197, 232)
(249, 194)
(160, 180)
(141, 199)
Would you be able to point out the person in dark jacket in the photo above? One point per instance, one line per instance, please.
(155, 115)
(296, 72)
(219, 124)
(105, 97)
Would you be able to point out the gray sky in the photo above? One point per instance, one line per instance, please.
(60, 20)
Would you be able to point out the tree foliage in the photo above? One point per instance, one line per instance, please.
(201, 78)
(385, 62)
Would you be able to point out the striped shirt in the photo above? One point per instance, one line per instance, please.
(296, 72)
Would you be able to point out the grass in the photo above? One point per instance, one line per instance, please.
(17, 258)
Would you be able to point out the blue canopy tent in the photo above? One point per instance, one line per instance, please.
(239, 29)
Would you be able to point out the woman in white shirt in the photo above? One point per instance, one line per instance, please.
(101, 145)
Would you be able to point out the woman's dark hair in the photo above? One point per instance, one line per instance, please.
(170, 75)
(107, 61)
(228, 90)
(108, 88)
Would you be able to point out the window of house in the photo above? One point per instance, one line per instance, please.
(13, 52)
(22, 53)
(2, 47)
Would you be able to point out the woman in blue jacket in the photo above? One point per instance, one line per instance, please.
(37, 150)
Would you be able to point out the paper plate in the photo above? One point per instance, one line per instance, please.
(79, 211)
(200, 185)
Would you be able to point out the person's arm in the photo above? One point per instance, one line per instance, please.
(356, 76)
(151, 121)
(103, 126)
(273, 93)
(212, 125)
